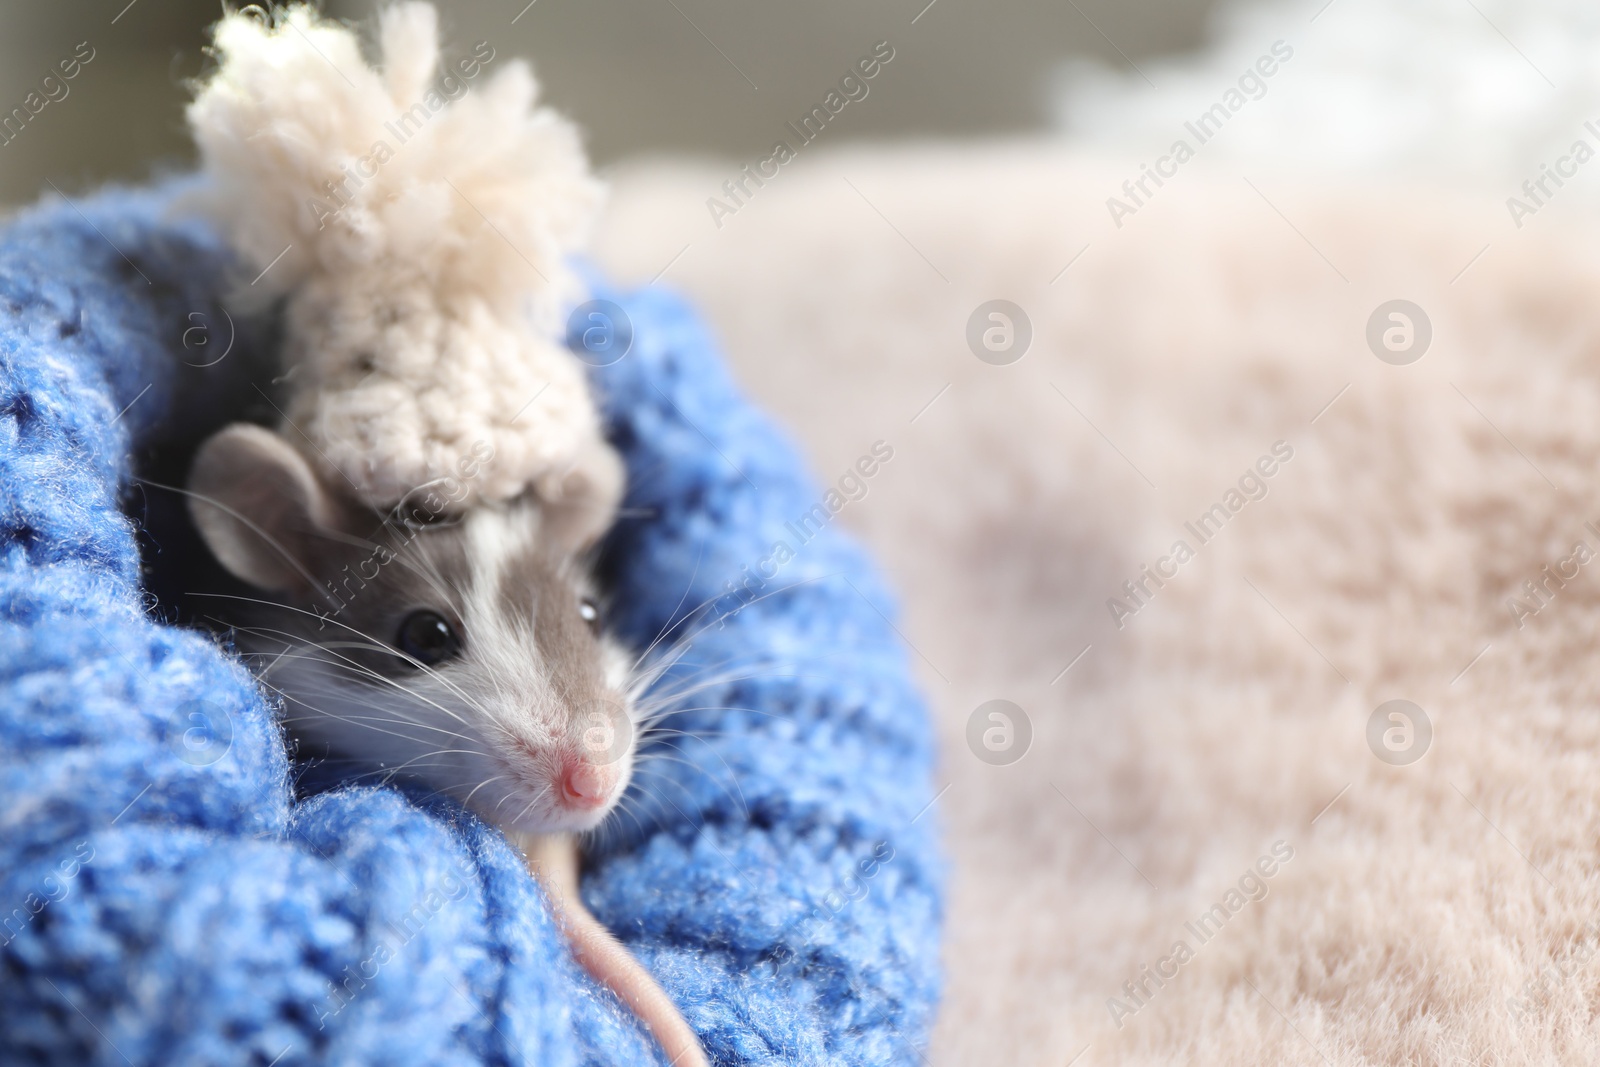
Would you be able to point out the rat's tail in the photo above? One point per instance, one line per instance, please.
(553, 859)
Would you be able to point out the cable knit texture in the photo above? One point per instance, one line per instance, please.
(166, 896)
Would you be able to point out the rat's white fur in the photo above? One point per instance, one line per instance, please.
(426, 291)
(488, 728)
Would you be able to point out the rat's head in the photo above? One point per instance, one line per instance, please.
(463, 652)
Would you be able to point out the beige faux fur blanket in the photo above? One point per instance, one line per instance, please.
(1207, 773)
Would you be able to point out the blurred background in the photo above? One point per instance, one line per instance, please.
(640, 76)
(1460, 93)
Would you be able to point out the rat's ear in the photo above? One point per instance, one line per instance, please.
(579, 506)
(257, 504)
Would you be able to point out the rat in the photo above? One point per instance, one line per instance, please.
(464, 651)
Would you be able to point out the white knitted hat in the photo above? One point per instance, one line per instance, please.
(420, 221)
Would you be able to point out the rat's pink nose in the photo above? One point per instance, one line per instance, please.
(583, 785)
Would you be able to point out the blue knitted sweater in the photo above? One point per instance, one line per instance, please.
(176, 889)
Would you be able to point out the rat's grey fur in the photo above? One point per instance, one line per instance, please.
(534, 685)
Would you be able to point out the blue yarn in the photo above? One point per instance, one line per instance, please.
(166, 896)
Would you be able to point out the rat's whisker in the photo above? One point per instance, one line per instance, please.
(387, 775)
(396, 555)
(288, 698)
(688, 818)
(689, 685)
(668, 697)
(647, 739)
(718, 707)
(271, 542)
(432, 755)
(733, 775)
(374, 642)
(718, 619)
(364, 719)
(625, 807)
(529, 805)
(736, 794)
(360, 693)
(669, 626)
(677, 655)
(363, 674)
(467, 800)
(365, 671)
(428, 671)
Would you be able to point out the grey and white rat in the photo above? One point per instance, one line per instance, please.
(464, 652)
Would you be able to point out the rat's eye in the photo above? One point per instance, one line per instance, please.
(427, 638)
(589, 612)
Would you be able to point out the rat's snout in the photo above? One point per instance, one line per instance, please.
(585, 785)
